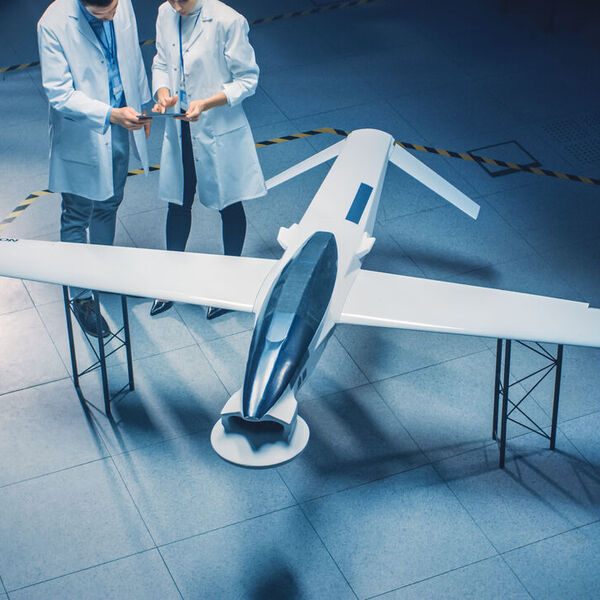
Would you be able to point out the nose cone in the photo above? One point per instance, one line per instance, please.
(288, 322)
(280, 354)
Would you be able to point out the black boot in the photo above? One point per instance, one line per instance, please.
(159, 306)
(85, 313)
(213, 313)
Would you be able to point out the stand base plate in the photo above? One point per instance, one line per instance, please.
(256, 450)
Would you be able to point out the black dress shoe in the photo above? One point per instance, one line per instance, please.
(159, 306)
(85, 313)
(213, 313)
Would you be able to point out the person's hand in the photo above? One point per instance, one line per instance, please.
(164, 100)
(147, 123)
(195, 109)
(126, 117)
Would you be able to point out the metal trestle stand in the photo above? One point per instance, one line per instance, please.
(123, 341)
(507, 408)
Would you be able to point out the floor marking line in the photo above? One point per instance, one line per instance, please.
(20, 208)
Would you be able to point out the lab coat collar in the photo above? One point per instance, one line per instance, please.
(205, 15)
(74, 12)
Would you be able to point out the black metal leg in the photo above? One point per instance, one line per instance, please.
(70, 336)
(102, 353)
(505, 386)
(127, 342)
(102, 356)
(497, 388)
(557, 375)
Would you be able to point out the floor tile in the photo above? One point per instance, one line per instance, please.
(29, 358)
(137, 577)
(539, 94)
(315, 88)
(563, 566)
(13, 296)
(388, 257)
(396, 531)
(176, 394)
(277, 556)
(539, 493)
(183, 488)
(287, 36)
(149, 335)
(261, 110)
(445, 242)
(448, 408)
(266, 8)
(44, 429)
(551, 215)
(453, 111)
(529, 136)
(579, 379)
(485, 580)
(354, 438)
(426, 71)
(579, 263)
(334, 372)
(582, 433)
(531, 275)
(204, 330)
(381, 353)
(65, 522)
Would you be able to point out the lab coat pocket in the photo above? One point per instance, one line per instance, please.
(237, 171)
(226, 119)
(75, 142)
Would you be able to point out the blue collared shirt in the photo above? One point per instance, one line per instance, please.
(105, 32)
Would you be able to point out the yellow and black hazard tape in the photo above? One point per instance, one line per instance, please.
(441, 152)
(499, 163)
(312, 11)
(290, 15)
(298, 136)
(19, 67)
(22, 207)
(312, 132)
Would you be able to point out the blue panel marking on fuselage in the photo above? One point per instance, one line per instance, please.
(359, 203)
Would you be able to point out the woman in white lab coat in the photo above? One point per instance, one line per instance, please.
(204, 67)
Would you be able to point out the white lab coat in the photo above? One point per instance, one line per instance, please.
(219, 58)
(75, 78)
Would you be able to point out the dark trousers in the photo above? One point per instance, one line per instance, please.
(80, 216)
(179, 217)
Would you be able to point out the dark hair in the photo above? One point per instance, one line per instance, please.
(100, 3)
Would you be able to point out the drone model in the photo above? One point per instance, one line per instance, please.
(298, 299)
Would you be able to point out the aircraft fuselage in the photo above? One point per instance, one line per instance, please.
(302, 299)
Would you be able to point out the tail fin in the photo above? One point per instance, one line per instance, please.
(305, 165)
(421, 172)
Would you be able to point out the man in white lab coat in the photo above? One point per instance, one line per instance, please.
(95, 80)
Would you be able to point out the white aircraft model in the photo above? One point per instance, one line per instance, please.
(298, 299)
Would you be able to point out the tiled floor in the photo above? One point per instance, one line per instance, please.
(398, 495)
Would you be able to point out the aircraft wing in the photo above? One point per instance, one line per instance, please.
(209, 279)
(386, 300)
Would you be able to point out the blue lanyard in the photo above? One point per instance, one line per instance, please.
(181, 46)
(109, 46)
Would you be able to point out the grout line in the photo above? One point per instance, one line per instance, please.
(408, 585)
(35, 385)
(226, 526)
(516, 576)
(300, 506)
(549, 537)
(138, 510)
(107, 562)
(50, 473)
(169, 571)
